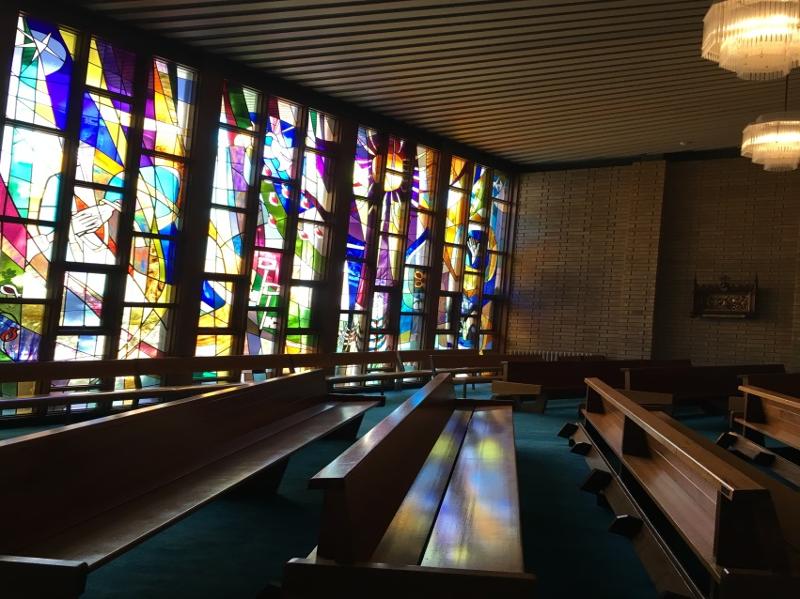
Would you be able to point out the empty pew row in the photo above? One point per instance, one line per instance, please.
(703, 522)
(346, 372)
(768, 414)
(566, 378)
(425, 505)
(176, 457)
(683, 384)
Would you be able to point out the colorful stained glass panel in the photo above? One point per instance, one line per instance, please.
(410, 332)
(41, 70)
(94, 226)
(389, 260)
(321, 132)
(24, 260)
(418, 247)
(354, 289)
(414, 283)
(274, 207)
(158, 196)
(351, 332)
(79, 347)
(265, 279)
(366, 162)
(20, 331)
(30, 173)
(239, 106)
(425, 171)
(151, 275)
(144, 332)
(454, 225)
(452, 268)
(500, 186)
(103, 140)
(316, 201)
(300, 302)
(233, 170)
(477, 206)
(82, 302)
(301, 344)
(168, 109)
(216, 298)
(498, 224)
(458, 173)
(311, 250)
(110, 68)
(225, 249)
(214, 345)
(280, 143)
(262, 333)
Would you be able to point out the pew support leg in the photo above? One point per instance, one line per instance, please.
(347, 432)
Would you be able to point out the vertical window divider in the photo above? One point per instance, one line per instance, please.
(511, 235)
(117, 277)
(195, 215)
(483, 249)
(343, 194)
(55, 275)
(292, 220)
(396, 293)
(9, 13)
(373, 245)
(437, 249)
(241, 288)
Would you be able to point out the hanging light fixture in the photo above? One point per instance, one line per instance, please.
(756, 39)
(774, 139)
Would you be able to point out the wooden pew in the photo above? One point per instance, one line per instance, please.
(566, 378)
(395, 375)
(425, 505)
(469, 368)
(84, 493)
(767, 413)
(75, 406)
(703, 523)
(693, 384)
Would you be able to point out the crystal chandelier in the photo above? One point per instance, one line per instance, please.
(756, 39)
(773, 141)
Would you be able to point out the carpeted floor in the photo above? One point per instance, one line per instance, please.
(236, 546)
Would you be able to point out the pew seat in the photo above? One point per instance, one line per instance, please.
(143, 470)
(469, 368)
(425, 505)
(704, 523)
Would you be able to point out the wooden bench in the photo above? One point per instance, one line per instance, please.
(566, 378)
(703, 525)
(77, 496)
(425, 505)
(767, 413)
(357, 381)
(74, 406)
(469, 368)
(692, 384)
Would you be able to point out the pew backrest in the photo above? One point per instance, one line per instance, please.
(773, 413)
(367, 483)
(786, 383)
(694, 381)
(93, 466)
(569, 375)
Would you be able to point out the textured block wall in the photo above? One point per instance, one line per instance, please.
(729, 217)
(585, 259)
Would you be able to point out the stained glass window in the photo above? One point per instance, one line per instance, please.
(417, 255)
(103, 140)
(110, 68)
(151, 281)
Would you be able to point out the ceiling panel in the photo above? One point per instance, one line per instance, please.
(530, 81)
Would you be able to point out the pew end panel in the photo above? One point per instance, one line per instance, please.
(39, 577)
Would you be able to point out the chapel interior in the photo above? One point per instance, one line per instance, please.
(402, 298)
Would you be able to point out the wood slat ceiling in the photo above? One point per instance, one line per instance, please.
(532, 81)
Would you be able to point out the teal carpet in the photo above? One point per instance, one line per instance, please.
(236, 546)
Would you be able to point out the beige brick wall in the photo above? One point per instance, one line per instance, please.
(728, 217)
(584, 262)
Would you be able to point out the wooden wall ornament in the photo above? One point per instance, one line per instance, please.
(726, 299)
